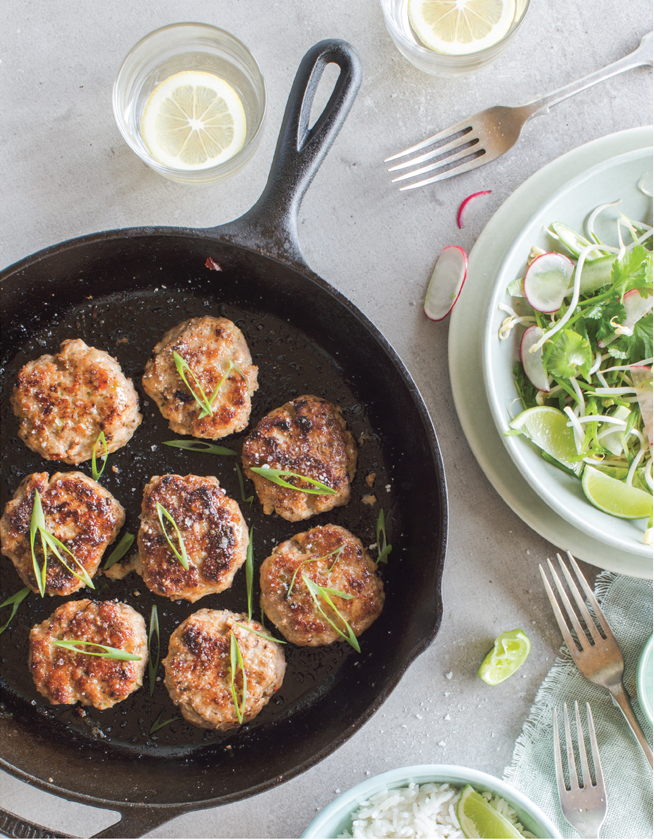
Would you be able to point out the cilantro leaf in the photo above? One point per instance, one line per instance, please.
(634, 270)
(570, 355)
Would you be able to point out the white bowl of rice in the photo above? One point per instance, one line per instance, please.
(419, 802)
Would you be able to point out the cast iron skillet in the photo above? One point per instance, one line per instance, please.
(120, 290)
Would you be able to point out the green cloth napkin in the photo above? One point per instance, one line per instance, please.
(627, 604)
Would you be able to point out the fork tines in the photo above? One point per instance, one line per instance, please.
(593, 633)
(583, 804)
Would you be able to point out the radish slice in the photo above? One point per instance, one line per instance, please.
(466, 201)
(446, 282)
(532, 362)
(547, 280)
(641, 376)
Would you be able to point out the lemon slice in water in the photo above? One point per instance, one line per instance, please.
(460, 27)
(193, 120)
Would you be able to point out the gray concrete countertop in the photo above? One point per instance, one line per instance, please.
(65, 171)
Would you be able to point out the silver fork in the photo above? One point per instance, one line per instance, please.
(584, 806)
(487, 135)
(595, 651)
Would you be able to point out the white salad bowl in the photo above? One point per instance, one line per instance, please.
(336, 817)
(616, 178)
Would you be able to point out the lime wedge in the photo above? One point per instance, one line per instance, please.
(615, 498)
(478, 820)
(547, 428)
(508, 654)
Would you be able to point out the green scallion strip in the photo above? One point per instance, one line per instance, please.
(260, 634)
(14, 601)
(94, 466)
(199, 446)
(337, 551)
(276, 476)
(159, 723)
(153, 632)
(48, 541)
(107, 652)
(249, 572)
(383, 548)
(241, 483)
(181, 553)
(182, 367)
(317, 591)
(236, 659)
(120, 550)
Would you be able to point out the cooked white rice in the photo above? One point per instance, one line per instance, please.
(419, 811)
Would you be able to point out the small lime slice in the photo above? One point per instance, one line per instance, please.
(615, 498)
(478, 820)
(548, 429)
(508, 654)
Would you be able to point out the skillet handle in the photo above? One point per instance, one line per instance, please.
(270, 226)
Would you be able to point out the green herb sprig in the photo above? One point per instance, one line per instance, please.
(107, 652)
(236, 660)
(277, 477)
(241, 483)
(180, 553)
(159, 723)
(383, 548)
(153, 632)
(249, 571)
(50, 542)
(94, 466)
(336, 551)
(317, 591)
(264, 635)
(204, 401)
(120, 550)
(199, 446)
(14, 601)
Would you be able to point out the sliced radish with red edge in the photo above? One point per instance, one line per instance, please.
(547, 280)
(532, 362)
(636, 307)
(446, 282)
(466, 201)
(641, 376)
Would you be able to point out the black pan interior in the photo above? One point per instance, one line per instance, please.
(120, 293)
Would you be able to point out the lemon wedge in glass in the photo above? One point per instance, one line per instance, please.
(461, 27)
(193, 120)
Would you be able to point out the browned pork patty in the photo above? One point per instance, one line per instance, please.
(208, 345)
(65, 676)
(77, 511)
(317, 555)
(307, 436)
(198, 670)
(65, 400)
(213, 530)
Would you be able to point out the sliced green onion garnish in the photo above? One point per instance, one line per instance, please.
(94, 467)
(241, 483)
(236, 659)
(317, 591)
(198, 446)
(249, 572)
(14, 601)
(159, 723)
(181, 552)
(276, 476)
(120, 550)
(107, 652)
(383, 548)
(204, 401)
(48, 541)
(260, 634)
(154, 631)
(337, 551)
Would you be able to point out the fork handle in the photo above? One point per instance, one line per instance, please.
(640, 56)
(621, 698)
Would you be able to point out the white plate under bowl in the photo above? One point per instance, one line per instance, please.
(465, 345)
(612, 179)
